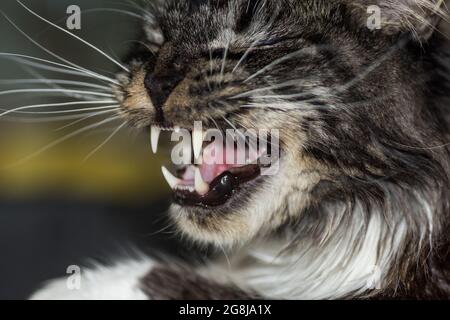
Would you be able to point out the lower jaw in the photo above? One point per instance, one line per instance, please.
(222, 188)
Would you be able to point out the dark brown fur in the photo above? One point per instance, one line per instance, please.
(379, 145)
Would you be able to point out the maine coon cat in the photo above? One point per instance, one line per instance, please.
(360, 205)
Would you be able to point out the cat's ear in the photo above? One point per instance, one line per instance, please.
(420, 18)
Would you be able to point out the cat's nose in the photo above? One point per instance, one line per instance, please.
(160, 86)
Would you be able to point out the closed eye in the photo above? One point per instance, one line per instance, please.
(275, 41)
(269, 42)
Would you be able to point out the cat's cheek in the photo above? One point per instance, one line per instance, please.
(259, 209)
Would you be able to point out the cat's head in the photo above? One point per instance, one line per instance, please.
(341, 82)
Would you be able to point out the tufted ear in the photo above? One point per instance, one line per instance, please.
(420, 18)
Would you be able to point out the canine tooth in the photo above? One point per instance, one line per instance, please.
(154, 135)
(197, 142)
(200, 186)
(170, 178)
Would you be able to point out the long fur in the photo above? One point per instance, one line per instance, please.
(360, 207)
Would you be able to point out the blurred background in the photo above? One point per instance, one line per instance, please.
(58, 208)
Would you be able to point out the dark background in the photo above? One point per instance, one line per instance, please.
(56, 210)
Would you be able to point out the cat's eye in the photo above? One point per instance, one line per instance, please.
(274, 41)
(268, 42)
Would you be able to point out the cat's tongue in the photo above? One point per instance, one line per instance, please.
(217, 159)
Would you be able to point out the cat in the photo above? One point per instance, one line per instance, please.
(359, 208)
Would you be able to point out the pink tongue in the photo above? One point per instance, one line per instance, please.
(215, 161)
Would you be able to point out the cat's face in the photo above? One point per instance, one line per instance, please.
(335, 90)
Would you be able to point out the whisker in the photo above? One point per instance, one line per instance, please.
(272, 87)
(37, 75)
(308, 50)
(213, 121)
(93, 10)
(239, 131)
(42, 66)
(53, 81)
(305, 106)
(211, 62)
(286, 96)
(45, 119)
(63, 139)
(422, 148)
(80, 71)
(67, 111)
(373, 66)
(230, 123)
(44, 90)
(224, 60)
(128, 13)
(37, 106)
(208, 83)
(244, 56)
(135, 5)
(75, 36)
(91, 115)
(105, 142)
(125, 12)
(152, 50)
(63, 111)
(90, 72)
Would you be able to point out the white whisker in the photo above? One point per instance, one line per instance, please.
(369, 69)
(45, 119)
(213, 121)
(128, 13)
(308, 50)
(78, 71)
(88, 116)
(210, 64)
(289, 83)
(42, 66)
(53, 81)
(40, 90)
(66, 111)
(283, 106)
(37, 75)
(90, 72)
(63, 111)
(48, 105)
(237, 130)
(105, 142)
(224, 60)
(93, 10)
(246, 53)
(63, 139)
(75, 36)
(287, 96)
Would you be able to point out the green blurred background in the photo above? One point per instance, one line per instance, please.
(57, 210)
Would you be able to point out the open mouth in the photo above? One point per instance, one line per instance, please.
(217, 170)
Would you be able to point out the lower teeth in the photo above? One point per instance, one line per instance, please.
(220, 189)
